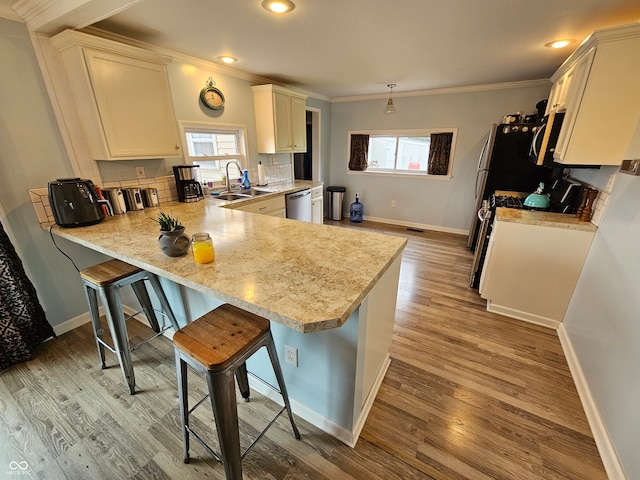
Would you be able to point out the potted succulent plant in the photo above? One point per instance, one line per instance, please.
(172, 240)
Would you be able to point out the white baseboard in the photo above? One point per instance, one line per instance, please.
(421, 226)
(366, 408)
(346, 436)
(72, 323)
(304, 412)
(83, 318)
(603, 442)
(520, 315)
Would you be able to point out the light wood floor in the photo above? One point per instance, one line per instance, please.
(468, 395)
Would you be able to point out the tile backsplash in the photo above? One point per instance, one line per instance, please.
(165, 185)
(273, 173)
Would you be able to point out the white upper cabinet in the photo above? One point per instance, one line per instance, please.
(564, 92)
(122, 97)
(280, 119)
(597, 88)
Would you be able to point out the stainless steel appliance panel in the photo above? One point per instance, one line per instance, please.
(116, 199)
(504, 165)
(485, 217)
(150, 197)
(299, 205)
(133, 199)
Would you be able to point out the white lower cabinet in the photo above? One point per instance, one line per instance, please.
(530, 271)
(273, 206)
(317, 205)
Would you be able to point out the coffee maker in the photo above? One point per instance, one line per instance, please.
(189, 188)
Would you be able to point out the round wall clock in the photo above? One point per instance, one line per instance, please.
(212, 97)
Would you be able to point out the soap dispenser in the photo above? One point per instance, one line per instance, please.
(246, 184)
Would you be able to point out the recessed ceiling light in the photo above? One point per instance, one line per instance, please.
(278, 6)
(560, 43)
(227, 59)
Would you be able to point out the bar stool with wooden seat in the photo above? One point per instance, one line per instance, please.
(104, 281)
(218, 345)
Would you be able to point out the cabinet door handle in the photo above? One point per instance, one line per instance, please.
(177, 147)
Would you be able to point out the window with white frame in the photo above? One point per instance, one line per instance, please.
(212, 146)
(412, 152)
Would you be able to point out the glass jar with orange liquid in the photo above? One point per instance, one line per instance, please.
(202, 246)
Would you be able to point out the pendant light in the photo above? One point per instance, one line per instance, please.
(390, 109)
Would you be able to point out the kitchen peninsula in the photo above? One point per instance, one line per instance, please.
(329, 292)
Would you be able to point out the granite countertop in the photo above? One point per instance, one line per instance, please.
(306, 276)
(534, 217)
(545, 219)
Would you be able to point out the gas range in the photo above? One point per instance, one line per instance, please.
(507, 201)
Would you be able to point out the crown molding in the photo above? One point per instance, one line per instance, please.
(53, 16)
(198, 62)
(445, 91)
(258, 80)
(10, 14)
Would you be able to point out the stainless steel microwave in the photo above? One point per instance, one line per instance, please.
(545, 138)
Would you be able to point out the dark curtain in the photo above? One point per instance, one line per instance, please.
(359, 152)
(439, 153)
(23, 325)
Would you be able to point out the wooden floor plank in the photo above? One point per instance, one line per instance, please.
(468, 395)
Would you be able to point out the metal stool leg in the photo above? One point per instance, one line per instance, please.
(157, 288)
(222, 393)
(273, 355)
(142, 294)
(243, 381)
(110, 298)
(94, 313)
(183, 396)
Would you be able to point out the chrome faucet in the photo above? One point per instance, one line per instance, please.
(227, 172)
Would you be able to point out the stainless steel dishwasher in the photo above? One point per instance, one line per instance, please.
(299, 205)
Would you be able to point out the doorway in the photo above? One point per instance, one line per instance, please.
(307, 166)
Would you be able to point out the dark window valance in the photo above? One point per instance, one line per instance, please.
(439, 153)
(359, 152)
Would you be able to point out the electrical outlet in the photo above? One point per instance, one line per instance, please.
(393, 204)
(291, 355)
(140, 173)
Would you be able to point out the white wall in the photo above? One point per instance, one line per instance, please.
(32, 154)
(603, 321)
(446, 205)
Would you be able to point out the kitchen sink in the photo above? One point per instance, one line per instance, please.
(241, 194)
(255, 192)
(230, 196)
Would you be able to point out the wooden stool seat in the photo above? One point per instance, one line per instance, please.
(108, 272)
(105, 280)
(219, 336)
(218, 345)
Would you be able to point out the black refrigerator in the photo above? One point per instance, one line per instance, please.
(504, 165)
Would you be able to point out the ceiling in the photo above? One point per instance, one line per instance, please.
(338, 48)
